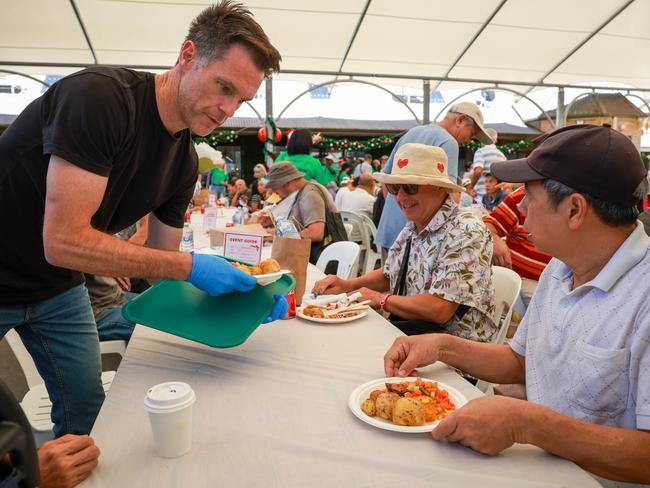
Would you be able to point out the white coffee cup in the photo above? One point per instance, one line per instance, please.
(170, 413)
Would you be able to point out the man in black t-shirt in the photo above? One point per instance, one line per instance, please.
(98, 151)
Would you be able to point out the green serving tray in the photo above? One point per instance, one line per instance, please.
(181, 309)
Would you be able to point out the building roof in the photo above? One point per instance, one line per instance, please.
(599, 105)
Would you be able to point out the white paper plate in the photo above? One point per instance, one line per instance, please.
(331, 321)
(266, 279)
(361, 393)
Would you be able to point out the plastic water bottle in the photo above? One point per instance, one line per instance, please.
(187, 241)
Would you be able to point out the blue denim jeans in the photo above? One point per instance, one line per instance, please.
(112, 325)
(61, 336)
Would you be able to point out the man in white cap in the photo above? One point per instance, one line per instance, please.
(483, 159)
(463, 122)
(437, 277)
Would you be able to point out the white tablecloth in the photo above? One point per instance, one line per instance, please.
(273, 413)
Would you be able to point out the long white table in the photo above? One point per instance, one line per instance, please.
(273, 413)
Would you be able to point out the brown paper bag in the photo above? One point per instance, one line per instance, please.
(293, 254)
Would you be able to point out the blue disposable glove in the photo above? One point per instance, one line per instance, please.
(217, 276)
(279, 309)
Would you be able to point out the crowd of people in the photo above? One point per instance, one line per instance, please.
(74, 172)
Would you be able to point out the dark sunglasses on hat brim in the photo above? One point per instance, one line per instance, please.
(409, 188)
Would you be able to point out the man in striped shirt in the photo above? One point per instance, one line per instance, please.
(483, 159)
(517, 251)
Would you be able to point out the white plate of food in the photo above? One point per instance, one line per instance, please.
(313, 314)
(406, 407)
(265, 272)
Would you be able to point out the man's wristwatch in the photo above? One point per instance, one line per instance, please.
(383, 300)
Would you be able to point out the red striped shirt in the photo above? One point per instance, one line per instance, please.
(506, 218)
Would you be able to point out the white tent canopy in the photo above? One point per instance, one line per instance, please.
(555, 41)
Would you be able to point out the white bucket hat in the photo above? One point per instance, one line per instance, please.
(420, 164)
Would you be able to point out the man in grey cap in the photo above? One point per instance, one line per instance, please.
(305, 203)
(463, 122)
(583, 347)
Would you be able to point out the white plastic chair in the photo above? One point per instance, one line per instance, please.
(371, 257)
(347, 255)
(36, 403)
(362, 234)
(507, 285)
(349, 228)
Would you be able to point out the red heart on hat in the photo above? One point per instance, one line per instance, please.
(402, 162)
(441, 167)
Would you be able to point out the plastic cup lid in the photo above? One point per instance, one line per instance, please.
(169, 397)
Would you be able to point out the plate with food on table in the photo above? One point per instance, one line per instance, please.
(332, 309)
(410, 405)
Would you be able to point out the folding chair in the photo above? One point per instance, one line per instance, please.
(346, 253)
(36, 403)
(506, 284)
(360, 234)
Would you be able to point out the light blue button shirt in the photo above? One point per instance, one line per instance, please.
(392, 219)
(588, 350)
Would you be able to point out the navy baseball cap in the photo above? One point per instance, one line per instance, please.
(592, 159)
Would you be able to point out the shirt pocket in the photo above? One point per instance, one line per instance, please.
(601, 380)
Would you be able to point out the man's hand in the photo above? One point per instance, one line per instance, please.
(331, 285)
(279, 309)
(123, 283)
(67, 461)
(488, 424)
(217, 276)
(408, 353)
(368, 294)
(501, 253)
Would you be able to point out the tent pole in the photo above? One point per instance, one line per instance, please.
(560, 116)
(269, 110)
(426, 100)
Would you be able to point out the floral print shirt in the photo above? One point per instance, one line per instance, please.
(450, 258)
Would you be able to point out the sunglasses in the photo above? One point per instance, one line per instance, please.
(409, 188)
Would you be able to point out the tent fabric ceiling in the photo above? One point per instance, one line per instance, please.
(499, 40)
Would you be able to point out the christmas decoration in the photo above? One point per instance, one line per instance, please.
(338, 143)
(217, 138)
(261, 135)
(509, 148)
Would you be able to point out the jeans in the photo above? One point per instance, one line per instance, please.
(61, 336)
(112, 325)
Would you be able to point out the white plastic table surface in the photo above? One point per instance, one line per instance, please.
(273, 413)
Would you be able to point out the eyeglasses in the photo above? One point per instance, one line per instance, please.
(409, 188)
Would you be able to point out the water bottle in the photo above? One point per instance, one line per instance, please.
(187, 241)
(238, 216)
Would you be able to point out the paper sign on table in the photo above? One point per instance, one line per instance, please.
(243, 247)
(217, 235)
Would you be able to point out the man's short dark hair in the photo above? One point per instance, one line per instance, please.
(490, 175)
(299, 142)
(611, 214)
(220, 26)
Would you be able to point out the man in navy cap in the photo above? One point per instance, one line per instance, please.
(583, 347)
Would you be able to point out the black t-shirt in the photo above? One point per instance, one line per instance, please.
(105, 121)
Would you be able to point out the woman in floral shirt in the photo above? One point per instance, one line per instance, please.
(447, 285)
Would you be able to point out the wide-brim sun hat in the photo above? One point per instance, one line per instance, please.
(420, 164)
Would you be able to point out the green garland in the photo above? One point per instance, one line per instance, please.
(339, 143)
(217, 138)
(509, 148)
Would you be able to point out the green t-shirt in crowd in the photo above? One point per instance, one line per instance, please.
(307, 164)
(217, 176)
